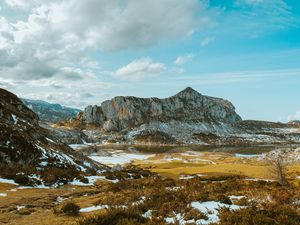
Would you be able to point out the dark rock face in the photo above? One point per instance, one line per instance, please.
(188, 106)
(50, 112)
(11, 108)
(28, 149)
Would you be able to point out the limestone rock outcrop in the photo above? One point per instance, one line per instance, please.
(188, 106)
(185, 118)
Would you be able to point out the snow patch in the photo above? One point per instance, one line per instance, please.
(15, 118)
(210, 208)
(91, 181)
(7, 181)
(119, 158)
(20, 207)
(187, 177)
(246, 155)
(93, 208)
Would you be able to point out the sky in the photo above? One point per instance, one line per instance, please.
(81, 52)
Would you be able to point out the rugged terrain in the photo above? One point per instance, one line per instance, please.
(180, 186)
(185, 118)
(29, 154)
(48, 112)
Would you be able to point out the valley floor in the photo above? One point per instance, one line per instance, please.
(183, 187)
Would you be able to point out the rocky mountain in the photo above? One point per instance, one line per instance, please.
(188, 106)
(50, 112)
(185, 118)
(29, 154)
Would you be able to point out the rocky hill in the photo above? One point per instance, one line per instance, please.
(29, 154)
(185, 118)
(188, 106)
(48, 112)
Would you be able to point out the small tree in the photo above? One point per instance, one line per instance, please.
(278, 169)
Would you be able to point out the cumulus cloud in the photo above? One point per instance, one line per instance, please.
(181, 60)
(17, 3)
(114, 25)
(45, 48)
(57, 33)
(139, 69)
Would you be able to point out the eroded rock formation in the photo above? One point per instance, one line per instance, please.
(188, 106)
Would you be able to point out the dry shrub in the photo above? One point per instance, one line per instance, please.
(54, 175)
(24, 211)
(116, 217)
(270, 215)
(70, 209)
(194, 214)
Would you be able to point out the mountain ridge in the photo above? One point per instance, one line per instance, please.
(29, 153)
(50, 112)
(187, 117)
(124, 112)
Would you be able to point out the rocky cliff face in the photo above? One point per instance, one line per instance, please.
(28, 153)
(185, 118)
(188, 106)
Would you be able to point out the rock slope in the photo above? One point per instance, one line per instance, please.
(185, 118)
(188, 106)
(29, 154)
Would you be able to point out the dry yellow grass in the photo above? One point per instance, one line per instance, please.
(43, 201)
(210, 164)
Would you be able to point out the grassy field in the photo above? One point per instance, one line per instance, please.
(210, 164)
(220, 175)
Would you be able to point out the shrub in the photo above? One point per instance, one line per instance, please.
(116, 217)
(70, 209)
(195, 214)
(25, 211)
(270, 215)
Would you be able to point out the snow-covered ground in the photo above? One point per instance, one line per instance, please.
(7, 181)
(119, 157)
(246, 155)
(98, 207)
(187, 177)
(93, 208)
(91, 181)
(209, 208)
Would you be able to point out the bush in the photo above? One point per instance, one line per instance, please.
(270, 215)
(116, 217)
(70, 209)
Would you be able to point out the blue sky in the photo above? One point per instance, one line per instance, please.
(84, 52)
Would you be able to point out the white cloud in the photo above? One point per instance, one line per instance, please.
(181, 60)
(56, 33)
(295, 116)
(17, 3)
(114, 25)
(46, 51)
(207, 41)
(139, 69)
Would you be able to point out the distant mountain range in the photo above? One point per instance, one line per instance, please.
(50, 112)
